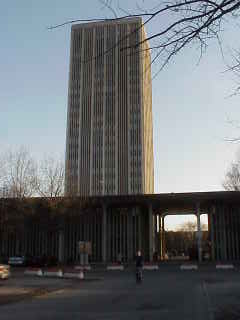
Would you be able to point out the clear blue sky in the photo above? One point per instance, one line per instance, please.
(190, 108)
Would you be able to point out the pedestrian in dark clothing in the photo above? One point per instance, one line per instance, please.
(139, 266)
(139, 260)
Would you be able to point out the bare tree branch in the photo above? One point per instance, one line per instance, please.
(237, 139)
(234, 67)
(182, 23)
(107, 4)
(235, 125)
(19, 173)
(190, 226)
(190, 21)
(232, 178)
(50, 178)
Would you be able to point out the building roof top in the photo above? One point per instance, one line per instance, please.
(106, 22)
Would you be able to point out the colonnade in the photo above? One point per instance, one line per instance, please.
(118, 232)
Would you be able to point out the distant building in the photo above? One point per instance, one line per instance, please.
(109, 145)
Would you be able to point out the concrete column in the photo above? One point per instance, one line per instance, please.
(233, 233)
(224, 234)
(150, 230)
(156, 240)
(139, 231)
(104, 234)
(211, 226)
(17, 242)
(155, 245)
(99, 237)
(237, 232)
(217, 244)
(109, 233)
(134, 219)
(120, 232)
(163, 239)
(199, 238)
(115, 253)
(230, 233)
(160, 235)
(130, 234)
(61, 246)
(112, 236)
(128, 237)
(124, 226)
(222, 240)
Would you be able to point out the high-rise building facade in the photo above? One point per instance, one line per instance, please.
(109, 145)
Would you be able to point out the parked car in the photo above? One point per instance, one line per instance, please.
(17, 261)
(4, 271)
(33, 261)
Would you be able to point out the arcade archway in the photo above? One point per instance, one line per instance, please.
(188, 239)
(179, 234)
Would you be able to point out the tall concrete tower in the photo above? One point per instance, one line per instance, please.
(109, 145)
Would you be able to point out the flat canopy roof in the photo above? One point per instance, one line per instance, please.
(164, 203)
(171, 201)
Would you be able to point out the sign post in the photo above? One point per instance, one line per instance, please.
(85, 249)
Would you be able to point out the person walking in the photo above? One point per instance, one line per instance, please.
(139, 266)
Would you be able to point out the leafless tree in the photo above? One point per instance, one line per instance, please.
(188, 227)
(235, 68)
(185, 237)
(5, 189)
(18, 173)
(182, 23)
(50, 178)
(21, 176)
(191, 227)
(232, 178)
(2, 169)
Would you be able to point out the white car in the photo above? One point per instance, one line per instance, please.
(4, 271)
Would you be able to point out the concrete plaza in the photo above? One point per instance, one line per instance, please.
(168, 293)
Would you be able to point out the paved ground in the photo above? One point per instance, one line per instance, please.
(164, 294)
(20, 287)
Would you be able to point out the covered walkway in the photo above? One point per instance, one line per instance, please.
(116, 226)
